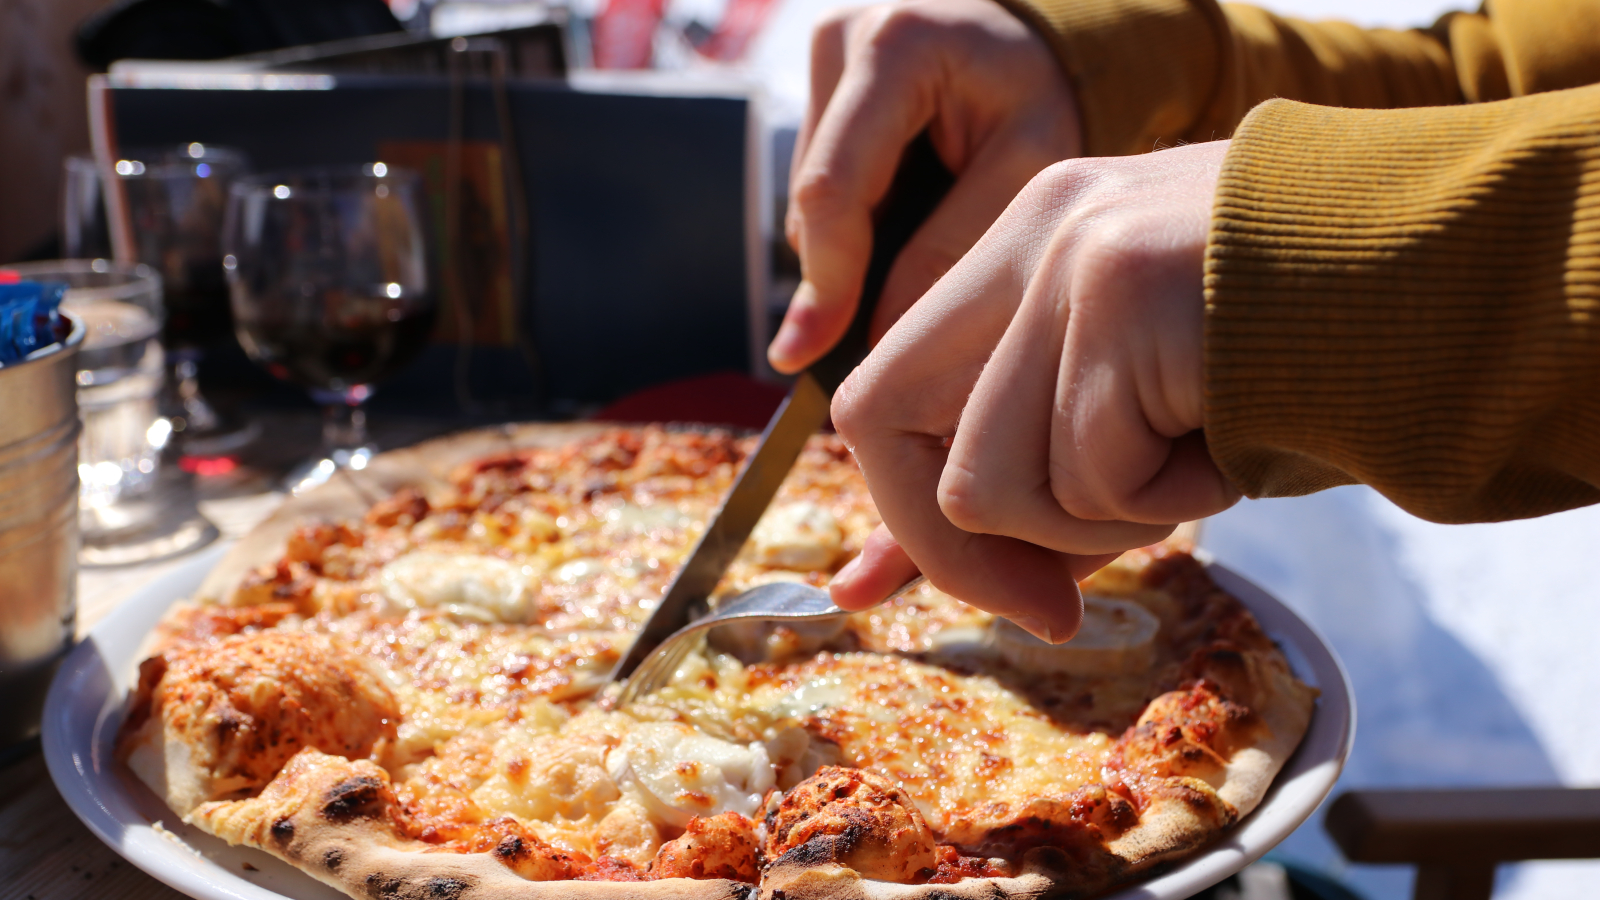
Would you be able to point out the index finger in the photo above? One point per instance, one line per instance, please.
(850, 159)
(898, 411)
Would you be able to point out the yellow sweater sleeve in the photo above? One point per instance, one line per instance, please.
(1410, 299)
(1152, 73)
(1406, 298)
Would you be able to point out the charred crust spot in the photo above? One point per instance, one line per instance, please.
(820, 850)
(1121, 814)
(231, 721)
(510, 847)
(345, 800)
(857, 829)
(406, 507)
(283, 830)
(1195, 800)
(442, 888)
(151, 671)
(1225, 656)
(381, 885)
(333, 859)
(814, 852)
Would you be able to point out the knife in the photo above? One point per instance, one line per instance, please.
(919, 184)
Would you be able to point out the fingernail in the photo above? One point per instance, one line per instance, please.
(782, 348)
(1033, 626)
(786, 344)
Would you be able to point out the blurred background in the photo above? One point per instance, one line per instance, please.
(597, 190)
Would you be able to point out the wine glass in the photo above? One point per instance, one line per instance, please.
(328, 273)
(172, 200)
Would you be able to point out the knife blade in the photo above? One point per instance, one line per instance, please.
(920, 182)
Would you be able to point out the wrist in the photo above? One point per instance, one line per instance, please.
(1140, 75)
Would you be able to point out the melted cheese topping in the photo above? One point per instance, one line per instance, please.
(971, 750)
(467, 586)
(677, 773)
(798, 536)
(451, 676)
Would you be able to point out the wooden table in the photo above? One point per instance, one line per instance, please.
(45, 852)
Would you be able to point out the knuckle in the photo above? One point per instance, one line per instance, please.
(1075, 496)
(1114, 257)
(897, 27)
(1085, 187)
(792, 223)
(851, 408)
(1058, 191)
(965, 502)
(1040, 188)
(817, 192)
(1068, 174)
(832, 25)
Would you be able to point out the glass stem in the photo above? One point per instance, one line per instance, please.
(344, 426)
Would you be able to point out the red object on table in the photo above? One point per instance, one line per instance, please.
(722, 398)
(625, 33)
(741, 23)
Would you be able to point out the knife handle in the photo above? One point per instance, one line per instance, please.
(919, 184)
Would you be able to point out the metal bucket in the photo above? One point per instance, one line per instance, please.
(38, 529)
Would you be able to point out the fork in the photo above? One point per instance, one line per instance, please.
(780, 601)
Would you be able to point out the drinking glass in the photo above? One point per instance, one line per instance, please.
(328, 273)
(130, 509)
(174, 199)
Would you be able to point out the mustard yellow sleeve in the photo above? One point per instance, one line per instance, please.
(1151, 73)
(1410, 299)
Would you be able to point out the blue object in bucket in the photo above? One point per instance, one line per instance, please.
(30, 318)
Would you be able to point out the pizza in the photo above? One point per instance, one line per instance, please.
(398, 684)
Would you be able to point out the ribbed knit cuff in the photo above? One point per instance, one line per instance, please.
(1410, 299)
(1144, 70)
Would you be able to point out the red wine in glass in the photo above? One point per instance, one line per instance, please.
(328, 276)
(353, 350)
(197, 309)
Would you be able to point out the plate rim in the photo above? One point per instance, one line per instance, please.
(72, 736)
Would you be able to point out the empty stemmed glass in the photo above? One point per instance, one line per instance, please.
(172, 200)
(328, 275)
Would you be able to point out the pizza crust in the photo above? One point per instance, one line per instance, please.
(222, 719)
(1285, 706)
(329, 817)
(835, 882)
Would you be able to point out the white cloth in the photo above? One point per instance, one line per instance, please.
(1474, 652)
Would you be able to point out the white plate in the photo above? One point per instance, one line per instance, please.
(85, 707)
